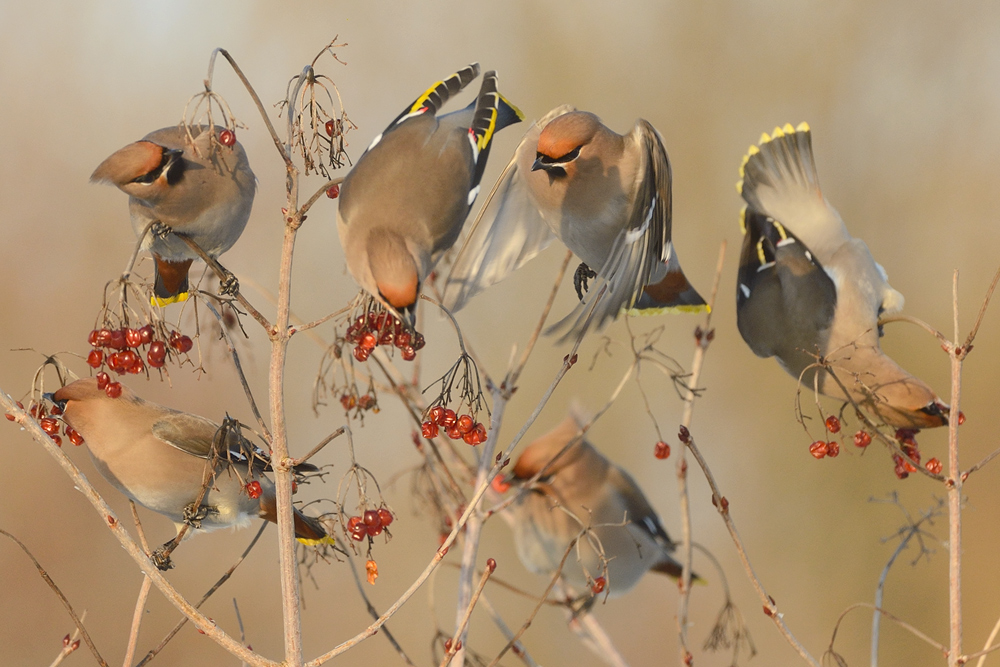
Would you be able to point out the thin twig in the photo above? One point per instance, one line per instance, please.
(319, 193)
(315, 450)
(519, 650)
(685, 547)
(218, 584)
(954, 485)
(239, 371)
(982, 311)
(516, 373)
(770, 606)
(55, 589)
(373, 611)
(889, 319)
(880, 590)
(895, 619)
(989, 644)
(460, 631)
(133, 635)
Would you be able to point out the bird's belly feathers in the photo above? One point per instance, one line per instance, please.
(216, 230)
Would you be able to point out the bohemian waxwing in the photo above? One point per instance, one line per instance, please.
(404, 202)
(157, 457)
(607, 197)
(580, 489)
(808, 289)
(200, 190)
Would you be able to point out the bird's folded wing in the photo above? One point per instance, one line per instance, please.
(199, 437)
(508, 231)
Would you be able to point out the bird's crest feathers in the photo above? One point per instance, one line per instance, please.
(129, 163)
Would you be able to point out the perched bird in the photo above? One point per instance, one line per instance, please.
(808, 290)
(203, 190)
(404, 202)
(607, 197)
(579, 489)
(158, 457)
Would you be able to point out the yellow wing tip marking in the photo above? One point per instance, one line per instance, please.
(803, 127)
(760, 251)
(684, 308)
(520, 114)
(739, 187)
(316, 543)
(164, 302)
(743, 220)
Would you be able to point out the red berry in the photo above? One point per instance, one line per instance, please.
(155, 362)
(348, 401)
(137, 367)
(127, 359)
(386, 337)
(92, 339)
(352, 523)
(470, 438)
(133, 338)
(661, 450)
(436, 414)
(56, 410)
(385, 516)
(481, 432)
(862, 439)
(56, 439)
(499, 484)
(366, 402)
(74, 436)
(369, 341)
(833, 424)
(961, 417)
(818, 449)
(333, 191)
(491, 565)
(113, 390)
(449, 418)
(118, 339)
(103, 379)
(403, 339)
(599, 585)
(934, 466)
(185, 345)
(49, 425)
(103, 338)
(362, 353)
(330, 127)
(465, 424)
(408, 353)
(418, 341)
(146, 334)
(832, 449)
(452, 432)
(254, 490)
(227, 137)
(95, 358)
(372, 519)
(374, 531)
(900, 467)
(429, 430)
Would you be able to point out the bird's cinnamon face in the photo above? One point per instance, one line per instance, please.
(561, 141)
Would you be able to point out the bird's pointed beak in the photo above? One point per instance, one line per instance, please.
(538, 164)
(52, 398)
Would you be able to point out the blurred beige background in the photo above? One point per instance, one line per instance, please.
(904, 102)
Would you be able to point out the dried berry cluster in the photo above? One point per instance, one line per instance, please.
(456, 427)
(364, 402)
(125, 357)
(369, 524)
(373, 329)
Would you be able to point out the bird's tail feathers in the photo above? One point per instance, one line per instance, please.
(674, 570)
(170, 281)
(672, 294)
(782, 161)
(308, 530)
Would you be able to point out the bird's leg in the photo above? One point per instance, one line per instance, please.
(160, 230)
(194, 514)
(161, 555)
(228, 285)
(581, 279)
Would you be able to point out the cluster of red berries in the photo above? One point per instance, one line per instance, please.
(125, 341)
(227, 137)
(364, 402)
(370, 524)
(456, 427)
(254, 490)
(51, 422)
(374, 329)
(821, 449)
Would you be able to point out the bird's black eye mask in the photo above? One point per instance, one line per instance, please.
(562, 159)
(171, 164)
